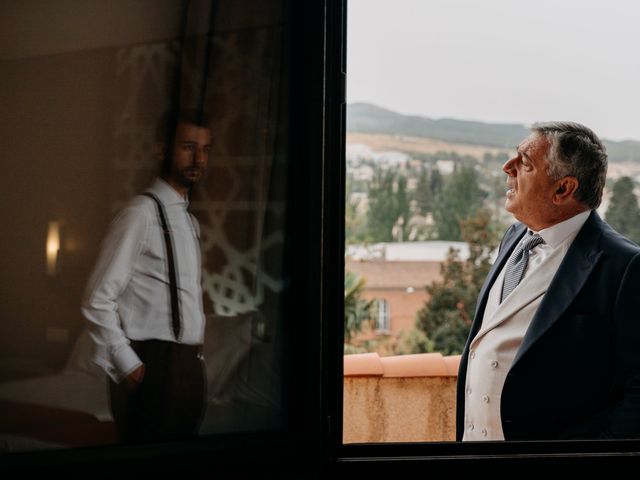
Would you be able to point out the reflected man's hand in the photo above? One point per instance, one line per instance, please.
(134, 379)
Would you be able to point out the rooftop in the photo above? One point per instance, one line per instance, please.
(402, 275)
(432, 251)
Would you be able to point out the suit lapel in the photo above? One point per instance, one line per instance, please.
(523, 295)
(505, 252)
(573, 272)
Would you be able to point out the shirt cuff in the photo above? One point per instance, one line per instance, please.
(124, 361)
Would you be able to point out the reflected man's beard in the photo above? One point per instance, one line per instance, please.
(190, 175)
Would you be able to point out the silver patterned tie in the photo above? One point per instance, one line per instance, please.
(518, 264)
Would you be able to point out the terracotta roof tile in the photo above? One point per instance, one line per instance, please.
(362, 364)
(417, 365)
(453, 363)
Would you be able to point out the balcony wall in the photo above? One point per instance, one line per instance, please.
(407, 398)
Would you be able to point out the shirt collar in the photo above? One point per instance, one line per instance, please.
(167, 194)
(558, 233)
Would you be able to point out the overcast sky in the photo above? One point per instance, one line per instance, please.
(500, 60)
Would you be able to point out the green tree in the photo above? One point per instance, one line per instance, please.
(354, 221)
(447, 315)
(403, 205)
(461, 198)
(436, 181)
(381, 212)
(388, 201)
(498, 159)
(357, 311)
(623, 213)
(412, 341)
(424, 193)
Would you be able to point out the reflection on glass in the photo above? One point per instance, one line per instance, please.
(81, 117)
(53, 247)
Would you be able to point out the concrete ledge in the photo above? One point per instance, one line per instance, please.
(417, 409)
(404, 398)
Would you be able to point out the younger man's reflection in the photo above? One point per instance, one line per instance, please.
(144, 299)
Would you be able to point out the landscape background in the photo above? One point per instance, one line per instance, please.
(424, 214)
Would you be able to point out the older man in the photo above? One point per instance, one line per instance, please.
(554, 349)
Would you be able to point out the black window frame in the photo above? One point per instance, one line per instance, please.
(383, 459)
(313, 447)
(302, 445)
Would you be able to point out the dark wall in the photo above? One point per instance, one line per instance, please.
(80, 99)
(55, 136)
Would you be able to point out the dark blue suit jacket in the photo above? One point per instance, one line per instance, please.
(577, 372)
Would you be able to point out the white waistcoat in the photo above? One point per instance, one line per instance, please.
(494, 348)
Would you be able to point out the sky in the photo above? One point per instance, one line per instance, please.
(499, 61)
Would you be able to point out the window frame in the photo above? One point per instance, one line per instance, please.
(385, 458)
(383, 316)
(314, 445)
(301, 445)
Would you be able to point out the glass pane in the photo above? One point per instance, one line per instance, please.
(440, 95)
(101, 101)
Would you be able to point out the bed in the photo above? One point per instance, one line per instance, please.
(66, 409)
(70, 408)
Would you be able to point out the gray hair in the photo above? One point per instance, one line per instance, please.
(576, 151)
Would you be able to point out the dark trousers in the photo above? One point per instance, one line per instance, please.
(169, 402)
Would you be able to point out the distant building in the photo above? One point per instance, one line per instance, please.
(398, 288)
(362, 172)
(431, 251)
(446, 167)
(396, 275)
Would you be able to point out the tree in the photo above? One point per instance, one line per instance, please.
(357, 311)
(498, 159)
(461, 198)
(381, 213)
(424, 194)
(447, 315)
(623, 213)
(403, 207)
(354, 222)
(412, 341)
(436, 181)
(388, 201)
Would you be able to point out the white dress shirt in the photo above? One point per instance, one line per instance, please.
(128, 295)
(504, 325)
(554, 236)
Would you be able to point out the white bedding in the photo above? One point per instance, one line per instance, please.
(74, 391)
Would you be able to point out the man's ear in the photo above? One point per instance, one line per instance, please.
(565, 189)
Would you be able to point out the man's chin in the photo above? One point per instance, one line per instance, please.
(508, 205)
(188, 180)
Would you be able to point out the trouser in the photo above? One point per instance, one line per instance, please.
(169, 402)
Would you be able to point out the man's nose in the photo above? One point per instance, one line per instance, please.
(200, 156)
(509, 166)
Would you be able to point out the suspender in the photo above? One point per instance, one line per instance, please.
(173, 286)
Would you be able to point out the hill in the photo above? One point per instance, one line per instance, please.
(368, 118)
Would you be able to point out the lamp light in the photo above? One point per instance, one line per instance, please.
(53, 247)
